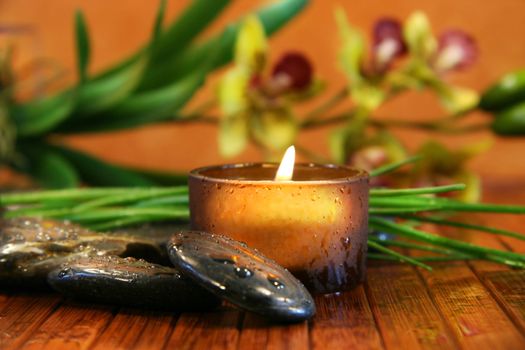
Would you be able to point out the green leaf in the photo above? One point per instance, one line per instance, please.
(97, 95)
(99, 173)
(161, 177)
(41, 116)
(185, 28)
(272, 17)
(171, 42)
(159, 18)
(151, 106)
(47, 167)
(144, 108)
(83, 47)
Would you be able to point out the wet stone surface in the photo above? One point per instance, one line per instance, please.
(130, 282)
(241, 275)
(31, 248)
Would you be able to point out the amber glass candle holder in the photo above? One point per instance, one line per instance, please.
(315, 225)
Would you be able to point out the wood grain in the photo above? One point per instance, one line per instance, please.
(260, 333)
(344, 321)
(72, 326)
(475, 317)
(210, 331)
(136, 329)
(404, 310)
(22, 314)
(509, 290)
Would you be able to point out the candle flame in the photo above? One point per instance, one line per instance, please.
(285, 171)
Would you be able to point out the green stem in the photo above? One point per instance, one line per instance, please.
(387, 192)
(397, 255)
(442, 222)
(115, 213)
(393, 166)
(420, 258)
(410, 245)
(442, 204)
(337, 119)
(488, 253)
(433, 126)
(60, 195)
(130, 197)
(312, 116)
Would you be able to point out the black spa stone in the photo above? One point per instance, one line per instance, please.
(130, 282)
(241, 275)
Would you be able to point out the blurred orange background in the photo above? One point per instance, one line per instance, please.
(117, 28)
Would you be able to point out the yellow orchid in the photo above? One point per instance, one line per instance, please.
(254, 106)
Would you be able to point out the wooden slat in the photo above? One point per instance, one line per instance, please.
(208, 331)
(71, 326)
(22, 314)
(404, 311)
(136, 329)
(344, 322)
(260, 333)
(475, 317)
(509, 289)
(3, 299)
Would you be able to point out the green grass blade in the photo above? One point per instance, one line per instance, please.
(129, 198)
(387, 192)
(83, 46)
(444, 222)
(381, 224)
(410, 245)
(376, 256)
(397, 255)
(393, 166)
(43, 197)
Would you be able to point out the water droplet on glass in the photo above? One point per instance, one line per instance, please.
(224, 261)
(243, 272)
(276, 283)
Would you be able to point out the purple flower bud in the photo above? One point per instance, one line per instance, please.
(294, 70)
(456, 50)
(388, 42)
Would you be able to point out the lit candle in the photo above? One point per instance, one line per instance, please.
(313, 223)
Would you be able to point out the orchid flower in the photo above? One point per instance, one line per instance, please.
(256, 105)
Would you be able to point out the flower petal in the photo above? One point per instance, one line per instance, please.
(456, 50)
(457, 99)
(352, 47)
(233, 135)
(388, 42)
(232, 94)
(418, 36)
(294, 69)
(274, 129)
(251, 46)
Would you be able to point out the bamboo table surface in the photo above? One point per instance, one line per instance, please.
(471, 305)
